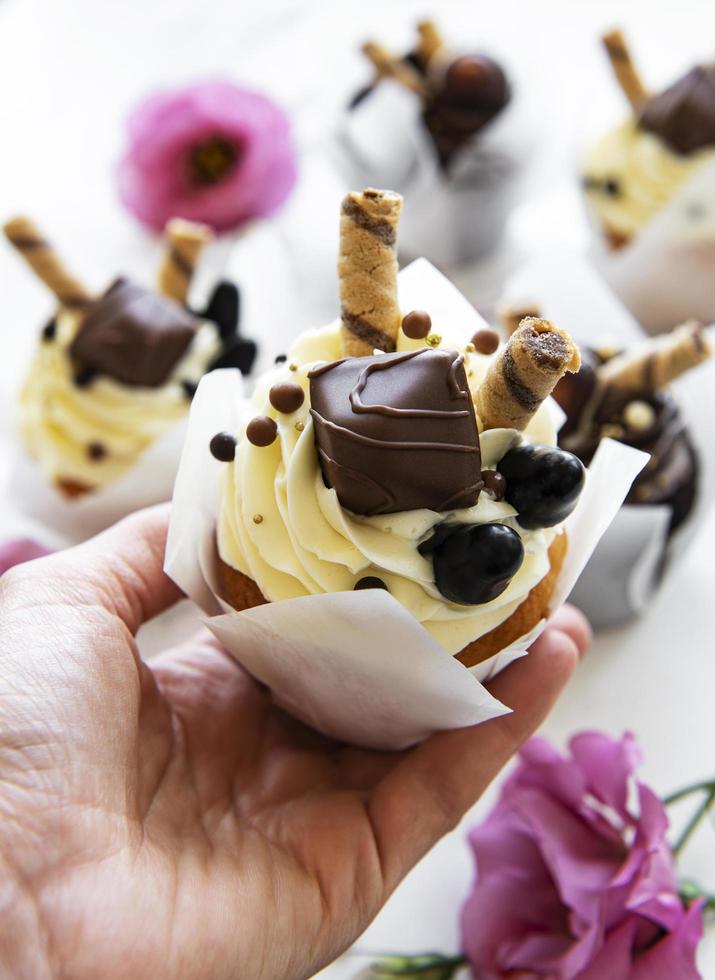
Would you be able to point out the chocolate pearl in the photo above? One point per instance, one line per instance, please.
(223, 447)
(261, 431)
(476, 79)
(96, 451)
(286, 397)
(84, 377)
(495, 483)
(369, 582)
(189, 389)
(281, 359)
(49, 331)
(416, 325)
(485, 341)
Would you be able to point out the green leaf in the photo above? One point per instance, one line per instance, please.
(426, 966)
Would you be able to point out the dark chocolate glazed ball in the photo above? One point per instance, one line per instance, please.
(475, 79)
(542, 484)
(474, 563)
(574, 391)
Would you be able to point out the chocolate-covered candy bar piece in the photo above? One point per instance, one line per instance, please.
(683, 116)
(397, 432)
(133, 335)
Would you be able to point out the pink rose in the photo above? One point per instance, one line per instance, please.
(211, 152)
(19, 550)
(575, 879)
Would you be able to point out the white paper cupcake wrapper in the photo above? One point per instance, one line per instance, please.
(665, 275)
(356, 665)
(624, 573)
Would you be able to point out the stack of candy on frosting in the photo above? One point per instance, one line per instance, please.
(113, 373)
(384, 453)
(459, 95)
(650, 185)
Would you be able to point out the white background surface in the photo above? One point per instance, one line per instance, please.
(70, 69)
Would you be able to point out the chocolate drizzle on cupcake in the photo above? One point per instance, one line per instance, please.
(683, 115)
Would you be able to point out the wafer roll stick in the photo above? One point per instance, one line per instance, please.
(653, 365)
(430, 42)
(511, 316)
(185, 241)
(367, 270)
(388, 66)
(524, 373)
(39, 254)
(624, 69)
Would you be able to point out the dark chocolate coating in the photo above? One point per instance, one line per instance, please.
(133, 335)
(397, 432)
(683, 116)
(474, 563)
(575, 391)
(543, 484)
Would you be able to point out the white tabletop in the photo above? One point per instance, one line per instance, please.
(68, 74)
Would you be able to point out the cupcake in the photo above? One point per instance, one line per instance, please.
(387, 520)
(650, 189)
(384, 455)
(113, 375)
(434, 123)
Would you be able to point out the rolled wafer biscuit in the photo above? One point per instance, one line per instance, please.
(367, 270)
(624, 69)
(653, 365)
(430, 42)
(512, 315)
(185, 240)
(524, 373)
(388, 66)
(24, 235)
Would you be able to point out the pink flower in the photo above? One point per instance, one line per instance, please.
(575, 879)
(19, 550)
(210, 152)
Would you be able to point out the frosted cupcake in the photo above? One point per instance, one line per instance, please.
(385, 454)
(650, 189)
(113, 374)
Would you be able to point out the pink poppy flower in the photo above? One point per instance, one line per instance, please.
(211, 152)
(575, 878)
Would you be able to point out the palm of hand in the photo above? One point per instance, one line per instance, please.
(168, 820)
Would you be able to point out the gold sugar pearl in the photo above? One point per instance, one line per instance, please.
(470, 348)
(299, 426)
(292, 367)
(433, 340)
(612, 431)
(258, 518)
(639, 416)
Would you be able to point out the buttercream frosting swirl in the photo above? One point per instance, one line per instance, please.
(282, 527)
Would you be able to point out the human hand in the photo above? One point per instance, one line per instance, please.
(166, 820)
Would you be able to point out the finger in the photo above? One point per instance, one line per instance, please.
(429, 791)
(120, 570)
(569, 620)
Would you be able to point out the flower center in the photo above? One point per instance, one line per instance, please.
(212, 160)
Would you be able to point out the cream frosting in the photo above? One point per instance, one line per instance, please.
(59, 420)
(647, 172)
(305, 543)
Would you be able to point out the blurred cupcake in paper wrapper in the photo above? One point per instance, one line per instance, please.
(441, 127)
(388, 520)
(623, 391)
(650, 189)
(107, 392)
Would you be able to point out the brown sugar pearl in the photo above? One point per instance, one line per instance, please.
(261, 431)
(416, 325)
(286, 397)
(369, 582)
(485, 341)
(495, 483)
(223, 447)
(96, 451)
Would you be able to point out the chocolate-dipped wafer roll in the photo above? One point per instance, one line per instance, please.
(39, 254)
(653, 365)
(185, 240)
(430, 42)
(367, 269)
(524, 374)
(388, 66)
(512, 315)
(624, 69)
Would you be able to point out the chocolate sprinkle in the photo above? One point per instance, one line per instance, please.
(286, 397)
(280, 359)
(96, 451)
(416, 325)
(49, 331)
(223, 447)
(369, 582)
(261, 431)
